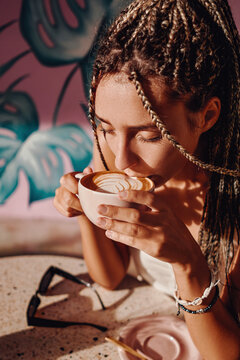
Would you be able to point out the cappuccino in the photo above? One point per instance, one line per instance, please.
(103, 187)
(114, 182)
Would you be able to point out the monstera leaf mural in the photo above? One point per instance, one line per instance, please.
(36, 152)
(5, 67)
(55, 40)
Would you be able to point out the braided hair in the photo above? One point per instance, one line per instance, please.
(194, 47)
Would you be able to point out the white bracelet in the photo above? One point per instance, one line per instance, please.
(198, 300)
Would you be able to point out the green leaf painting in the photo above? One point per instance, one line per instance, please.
(37, 152)
(54, 40)
(42, 168)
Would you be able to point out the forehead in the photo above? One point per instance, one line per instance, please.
(117, 93)
(153, 87)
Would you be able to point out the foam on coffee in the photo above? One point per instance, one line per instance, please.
(114, 182)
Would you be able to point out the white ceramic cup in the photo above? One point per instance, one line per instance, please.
(92, 195)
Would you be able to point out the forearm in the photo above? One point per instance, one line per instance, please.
(215, 332)
(107, 262)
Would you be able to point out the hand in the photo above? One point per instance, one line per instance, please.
(157, 231)
(65, 200)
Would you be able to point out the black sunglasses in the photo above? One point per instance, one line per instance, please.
(43, 286)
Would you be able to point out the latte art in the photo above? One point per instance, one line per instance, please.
(114, 182)
(102, 187)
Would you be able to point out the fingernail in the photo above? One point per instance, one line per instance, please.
(101, 222)
(123, 194)
(102, 209)
(110, 234)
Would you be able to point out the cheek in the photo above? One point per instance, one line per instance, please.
(190, 140)
(166, 160)
(112, 142)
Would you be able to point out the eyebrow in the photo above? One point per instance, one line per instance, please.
(143, 127)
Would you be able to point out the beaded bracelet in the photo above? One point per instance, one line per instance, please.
(200, 311)
(198, 300)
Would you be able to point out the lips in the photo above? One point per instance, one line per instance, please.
(134, 174)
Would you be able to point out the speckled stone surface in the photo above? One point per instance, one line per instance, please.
(19, 279)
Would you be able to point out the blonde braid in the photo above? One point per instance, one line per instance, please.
(142, 21)
(129, 15)
(221, 20)
(213, 11)
(184, 19)
(173, 31)
(165, 133)
(91, 116)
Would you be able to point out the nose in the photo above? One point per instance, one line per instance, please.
(124, 155)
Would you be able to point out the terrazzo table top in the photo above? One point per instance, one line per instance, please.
(19, 279)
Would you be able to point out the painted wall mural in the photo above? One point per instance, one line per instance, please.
(47, 50)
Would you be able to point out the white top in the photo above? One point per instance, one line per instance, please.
(156, 272)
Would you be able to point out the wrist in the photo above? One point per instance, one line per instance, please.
(192, 279)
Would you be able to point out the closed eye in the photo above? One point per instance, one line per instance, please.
(149, 136)
(154, 139)
(106, 131)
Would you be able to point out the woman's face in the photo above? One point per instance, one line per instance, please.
(135, 141)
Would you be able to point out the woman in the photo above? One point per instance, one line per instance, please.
(166, 96)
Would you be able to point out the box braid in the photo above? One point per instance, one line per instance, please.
(194, 47)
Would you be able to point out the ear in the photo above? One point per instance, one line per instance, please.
(210, 114)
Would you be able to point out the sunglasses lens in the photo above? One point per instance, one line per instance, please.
(33, 305)
(45, 281)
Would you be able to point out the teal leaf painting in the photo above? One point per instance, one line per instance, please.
(53, 39)
(38, 153)
(17, 112)
(5, 67)
(40, 158)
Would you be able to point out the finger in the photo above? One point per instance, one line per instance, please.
(129, 229)
(149, 199)
(87, 170)
(70, 182)
(132, 241)
(132, 215)
(63, 211)
(67, 200)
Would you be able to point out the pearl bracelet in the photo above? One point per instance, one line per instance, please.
(198, 300)
(203, 310)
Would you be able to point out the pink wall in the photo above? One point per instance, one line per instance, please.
(44, 83)
(235, 6)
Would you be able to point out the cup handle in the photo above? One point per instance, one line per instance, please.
(79, 176)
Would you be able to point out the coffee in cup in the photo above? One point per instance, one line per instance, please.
(114, 182)
(103, 187)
